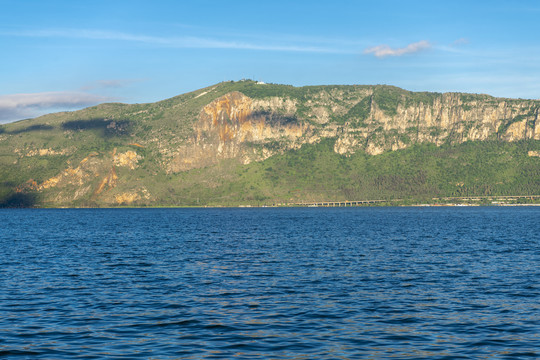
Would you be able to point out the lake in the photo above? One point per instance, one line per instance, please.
(270, 283)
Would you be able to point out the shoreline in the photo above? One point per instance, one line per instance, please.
(247, 206)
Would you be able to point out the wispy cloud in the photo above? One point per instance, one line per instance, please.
(458, 46)
(20, 106)
(381, 51)
(179, 41)
(460, 41)
(110, 84)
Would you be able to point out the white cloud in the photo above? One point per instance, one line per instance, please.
(381, 51)
(180, 41)
(20, 106)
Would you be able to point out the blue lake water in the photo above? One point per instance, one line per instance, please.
(302, 283)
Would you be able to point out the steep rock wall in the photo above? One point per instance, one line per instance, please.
(235, 126)
(447, 119)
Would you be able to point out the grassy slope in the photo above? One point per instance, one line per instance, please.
(316, 173)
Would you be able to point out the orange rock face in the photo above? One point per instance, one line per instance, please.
(226, 115)
(224, 128)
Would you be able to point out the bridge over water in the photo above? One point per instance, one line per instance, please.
(458, 199)
(337, 203)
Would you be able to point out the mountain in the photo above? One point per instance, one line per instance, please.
(252, 143)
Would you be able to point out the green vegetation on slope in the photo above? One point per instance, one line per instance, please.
(317, 173)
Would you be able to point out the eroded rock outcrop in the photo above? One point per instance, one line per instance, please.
(128, 159)
(93, 177)
(235, 126)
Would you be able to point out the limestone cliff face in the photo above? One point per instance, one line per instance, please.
(236, 126)
(448, 118)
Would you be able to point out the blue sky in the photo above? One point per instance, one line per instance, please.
(66, 54)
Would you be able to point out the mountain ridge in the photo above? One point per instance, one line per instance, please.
(113, 153)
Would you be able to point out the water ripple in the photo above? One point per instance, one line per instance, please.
(270, 283)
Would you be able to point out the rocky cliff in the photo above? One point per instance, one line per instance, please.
(373, 120)
(236, 126)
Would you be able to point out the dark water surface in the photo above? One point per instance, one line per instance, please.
(341, 283)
